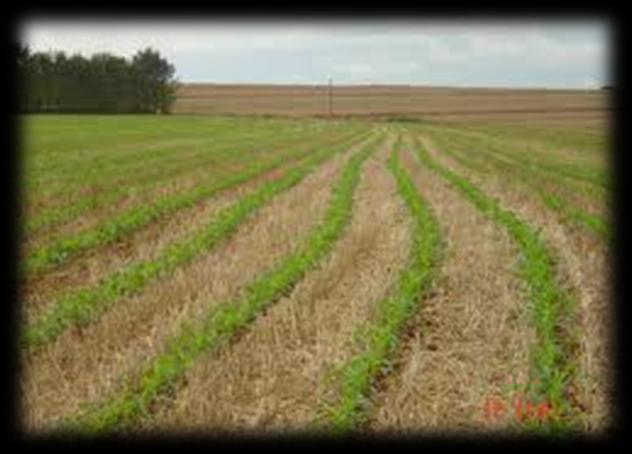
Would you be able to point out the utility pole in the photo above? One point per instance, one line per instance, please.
(330, 98)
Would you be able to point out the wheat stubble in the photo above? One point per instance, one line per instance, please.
(584, 267)
(85, 365)
(471, 334)
(273, 378)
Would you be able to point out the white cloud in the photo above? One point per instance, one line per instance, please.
(408, 52)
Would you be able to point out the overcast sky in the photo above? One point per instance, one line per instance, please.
(550, 54)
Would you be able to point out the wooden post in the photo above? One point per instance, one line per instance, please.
(330, 98)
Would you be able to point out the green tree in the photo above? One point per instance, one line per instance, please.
(102, 83)
(154, 82)
(23, 73)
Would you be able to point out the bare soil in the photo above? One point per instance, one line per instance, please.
(467, 104)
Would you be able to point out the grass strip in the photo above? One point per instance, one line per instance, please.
(220, 324)
(84, 305)
(133, 219)
(551, 306)
(122, 157)
(355, 377)
(150, 170)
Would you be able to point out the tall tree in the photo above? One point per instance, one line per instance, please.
(23, 62)
(155, 85)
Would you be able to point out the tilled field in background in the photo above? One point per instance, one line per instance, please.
(478, 105)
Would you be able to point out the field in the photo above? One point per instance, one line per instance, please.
(468, 104)
(416, 273)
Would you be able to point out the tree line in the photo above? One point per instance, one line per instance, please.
(102, 83)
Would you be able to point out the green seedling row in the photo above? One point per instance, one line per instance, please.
(546, 142)
(546, 162)
(82, 306)
(131, 220)
(221, 323)
(489, 148)
(567, 210)
(354, 378)
(551, 307)
(149, 174)
(485, 161)
(225, 154)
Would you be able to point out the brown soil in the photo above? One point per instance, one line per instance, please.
(457, 103)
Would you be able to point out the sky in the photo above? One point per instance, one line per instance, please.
(532, 54)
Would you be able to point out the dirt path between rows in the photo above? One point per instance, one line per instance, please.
(273, 378)
(471, 336)
(85, 365)
(584, 267)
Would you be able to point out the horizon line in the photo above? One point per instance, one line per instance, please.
(393, 84)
